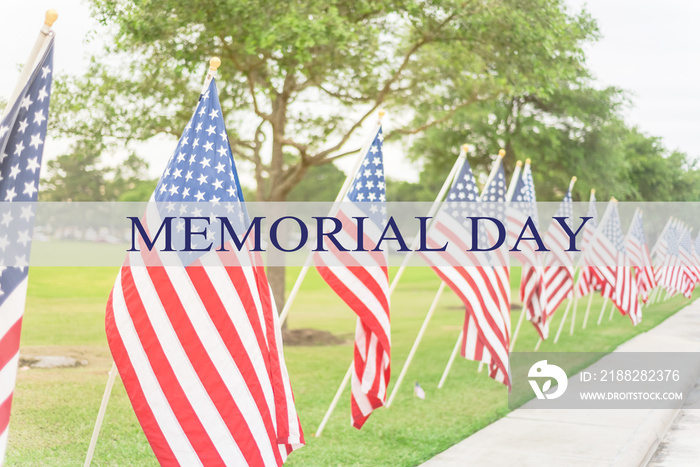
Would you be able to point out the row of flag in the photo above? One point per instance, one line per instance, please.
(199, 346)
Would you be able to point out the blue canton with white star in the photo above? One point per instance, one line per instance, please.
(368, 189)
(202, 170)
(524, 194)
(613, 229)
(22, 135)
(638, 231)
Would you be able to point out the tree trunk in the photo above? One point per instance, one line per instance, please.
(276, 276)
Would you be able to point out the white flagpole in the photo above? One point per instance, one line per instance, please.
(214, 63)
(602, 311)
(44, 33)
(431, 213)
(456, 168)
(588, 310)
(451, 360)
(563, 319)
(336, 205)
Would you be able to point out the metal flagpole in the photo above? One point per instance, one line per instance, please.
(336, 205)
(602, 311)
(214, 64)
(588, 310)
(44, 33)
(456, 168)
(451, 360)
(431, 213)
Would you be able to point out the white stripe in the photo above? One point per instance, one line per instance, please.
(8, 376)
(181, 365)
(157, 402)
(13, 307)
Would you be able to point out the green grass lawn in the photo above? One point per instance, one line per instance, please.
(54, 410)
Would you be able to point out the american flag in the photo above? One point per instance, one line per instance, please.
(524, 206)
(690, 272)
(696, 253)
(586, 282)
(559, 267)
(639, 257)
(22, 135)
(362, 282)
(198, 345)
(607, 256)
(484, 289)
(675, 276)
(659, 253)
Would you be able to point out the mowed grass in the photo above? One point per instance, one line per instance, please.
(53, 412)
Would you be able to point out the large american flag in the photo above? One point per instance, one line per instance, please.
(198, 344)
(607, 257)
(690, 272)
(480, 281)
(559, 266)
(361, 280)
(22, 135)
(524, 206)
(639, 257)
(586, 282)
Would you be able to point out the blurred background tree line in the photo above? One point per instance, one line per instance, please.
(298, 80)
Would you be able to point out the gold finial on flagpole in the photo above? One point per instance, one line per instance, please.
(519, 163)
(527, 161)
(465, 148)
(612, 198)
(592, 191)
(382, 112)
(50, 18)
(214, 63)
(573, 179)
(502, 153)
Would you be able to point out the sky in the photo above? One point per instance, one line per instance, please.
(649, 48)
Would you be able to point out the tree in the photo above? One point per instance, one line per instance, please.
(297, 83)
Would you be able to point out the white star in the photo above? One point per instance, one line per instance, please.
(193, 158)
(14, 171)
(217, 184)
(183, 209)
(209, 146)
(223, 134)
(181, 157)
(211, 130)
(26, 102)
(205, 162)
(184, 141)
(173, 189)
(29, 188)
(222, 150)
(6, 219)
(195, 143)
(3, 130)
(199, 196)
(197, 212)
(376, 161)
(188, 177)
(214, 113)
(374, 149)
(219, 167)
(36, 141)
(372, 196)
(45, 71)
(39, 117)
(205, 96)
(21, 262)
(10, 196)
(163, 188)
(215, 200)
(185, 192)
(201, 111)
(170, 206)
(231, 191)
(42, 94)
(27, 213)
(19, 147)
(177, 174)
(199, 127)
(202, 179)
(180, 226)
(24, 238)
(3, 242)
(23, 125)
(360, 197)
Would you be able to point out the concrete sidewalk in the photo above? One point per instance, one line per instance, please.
(528, 437)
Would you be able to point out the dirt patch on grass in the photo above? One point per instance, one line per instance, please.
(311, 337)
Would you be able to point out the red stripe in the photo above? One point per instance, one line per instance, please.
(9, 344)
(159, 444)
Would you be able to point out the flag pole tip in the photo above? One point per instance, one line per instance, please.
(465, 148)
(382, 112)
(573, 179)
(527, 161)
(592, 191)
(502, 153)
(612, 198)
(214, 63)
(519, 163)
(50, 18)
